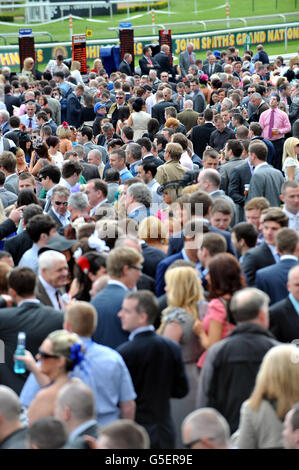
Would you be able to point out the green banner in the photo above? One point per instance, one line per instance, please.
(207, 41)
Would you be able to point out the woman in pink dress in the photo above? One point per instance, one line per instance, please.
(224, 279)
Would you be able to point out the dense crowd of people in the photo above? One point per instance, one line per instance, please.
(149, 231)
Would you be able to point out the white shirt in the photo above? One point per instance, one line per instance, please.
(293, 220)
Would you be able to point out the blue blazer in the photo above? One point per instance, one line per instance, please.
(108, 303)
(161, 269)
(273, 279)
(177, 243)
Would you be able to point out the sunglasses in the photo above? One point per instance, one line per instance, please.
(58, 203)
(138, 268)
(45, 355)
(119, 97)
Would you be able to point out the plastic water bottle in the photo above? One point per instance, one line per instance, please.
(19, 367)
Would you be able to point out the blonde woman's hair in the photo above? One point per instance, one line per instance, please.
(278, 379)
(152, 228)
(27, 62)
(184, 290)
(76, 65)
(63, 132)
(289, 149)
(62, 341)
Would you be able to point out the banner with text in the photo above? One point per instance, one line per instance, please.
(207, 41)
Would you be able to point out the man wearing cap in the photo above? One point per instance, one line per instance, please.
(100, 112)
(41, 228)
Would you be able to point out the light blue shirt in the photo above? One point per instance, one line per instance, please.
(276, 256)
(142, 329)
(105, 372)
(30, 258)
(134, 167)
(125, 174)
(153, 186)
(294, 302)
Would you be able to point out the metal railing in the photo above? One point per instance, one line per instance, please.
(15, 35)
(204, 23)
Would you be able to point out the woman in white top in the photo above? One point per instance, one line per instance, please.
(290, 165)
(139, 118)
(53, 144)
(75, 72)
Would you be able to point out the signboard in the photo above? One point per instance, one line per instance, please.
(125, 25)
(165, 38)
(26, 46)
(126, 38)
(209, 40)
(79, 51)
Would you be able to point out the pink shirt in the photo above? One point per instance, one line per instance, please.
(281, 122)
(217, 312)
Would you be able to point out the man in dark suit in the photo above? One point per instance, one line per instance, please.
(158, 111)
(273, 279)
(162, 59)
(75, 407)
(125, 65)
(212, 66)
(10, 100)
(202, 200)
(12, 432)
(200, 135)
(73, 107)
(146, 63)
(30, 316)
(22, 242)
(124, 269)
(154, 385)
(284, 318)
(265, 254)
(240, 176)
(255, 132)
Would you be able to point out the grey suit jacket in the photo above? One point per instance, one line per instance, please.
(41, 294)
(266, 181)
(56, 108)
(12, 184)
(185, 62)
(7, 197)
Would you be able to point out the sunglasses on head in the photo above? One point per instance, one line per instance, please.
(58, 203)
(45, 355)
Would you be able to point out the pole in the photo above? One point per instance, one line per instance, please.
(227, 15)
(153, 22)
(195, 7)
(71, 26)
(286, 39)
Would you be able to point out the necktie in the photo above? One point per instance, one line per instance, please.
(191, 59)
(30, 123)
(58, 300)
(271, 124)
(150, 61)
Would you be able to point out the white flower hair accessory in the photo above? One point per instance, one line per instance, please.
(95, 242)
